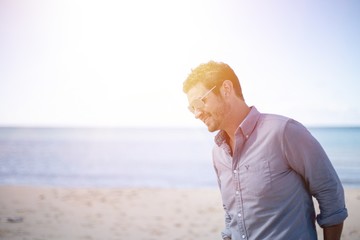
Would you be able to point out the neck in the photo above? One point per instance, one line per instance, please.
(236, 116)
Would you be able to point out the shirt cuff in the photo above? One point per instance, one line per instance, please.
(226, 234)
(334, 219)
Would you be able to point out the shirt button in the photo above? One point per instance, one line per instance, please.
(247, 136)
(237, 192)
(243, 236)
(239, 215)
(235, 171)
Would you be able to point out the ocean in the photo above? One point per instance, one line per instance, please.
(138, 157)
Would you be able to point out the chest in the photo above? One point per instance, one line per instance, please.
(253, 167)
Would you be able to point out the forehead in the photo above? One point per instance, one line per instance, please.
(196, 92)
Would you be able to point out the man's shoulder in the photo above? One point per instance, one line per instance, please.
(273, 119)
(280, 124)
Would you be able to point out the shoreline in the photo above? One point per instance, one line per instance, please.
(54, 213)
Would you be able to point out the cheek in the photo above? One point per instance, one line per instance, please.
(218, 111)
(221, 112)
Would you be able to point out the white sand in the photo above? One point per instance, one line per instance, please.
(40, 213)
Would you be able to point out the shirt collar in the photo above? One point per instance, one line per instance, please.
(246, 127)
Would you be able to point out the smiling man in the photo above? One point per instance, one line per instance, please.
(268, 166)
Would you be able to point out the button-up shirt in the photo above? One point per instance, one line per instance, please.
(268, 181)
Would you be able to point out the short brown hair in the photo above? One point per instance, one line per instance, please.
(212, 74)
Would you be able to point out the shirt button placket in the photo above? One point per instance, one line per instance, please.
(239, 204)
(241, 225)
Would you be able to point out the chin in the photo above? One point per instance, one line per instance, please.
(211, 125)
(212, 128)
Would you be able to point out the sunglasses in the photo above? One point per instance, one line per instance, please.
(199, 102)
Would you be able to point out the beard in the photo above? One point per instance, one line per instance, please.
(216, 119)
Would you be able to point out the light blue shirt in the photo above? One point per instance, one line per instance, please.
(268, 182)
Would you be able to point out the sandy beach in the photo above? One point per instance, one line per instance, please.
(46, 213)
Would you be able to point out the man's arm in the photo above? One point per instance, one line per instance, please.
(307, 157)
(333, 232)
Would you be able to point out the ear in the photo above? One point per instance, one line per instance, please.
(226, 88)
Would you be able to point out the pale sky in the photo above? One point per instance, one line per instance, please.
(122, 63)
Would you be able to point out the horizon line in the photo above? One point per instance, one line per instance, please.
(155, 126)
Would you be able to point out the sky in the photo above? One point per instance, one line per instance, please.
(111, 63)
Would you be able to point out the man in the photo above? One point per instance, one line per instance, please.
(268, 166)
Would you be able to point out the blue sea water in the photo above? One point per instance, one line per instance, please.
(137, 157)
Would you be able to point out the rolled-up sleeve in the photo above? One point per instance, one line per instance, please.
(226, 233)
(307, 157)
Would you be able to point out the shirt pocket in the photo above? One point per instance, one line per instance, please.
(255, 178)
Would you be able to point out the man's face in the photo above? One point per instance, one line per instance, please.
(211, 112)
